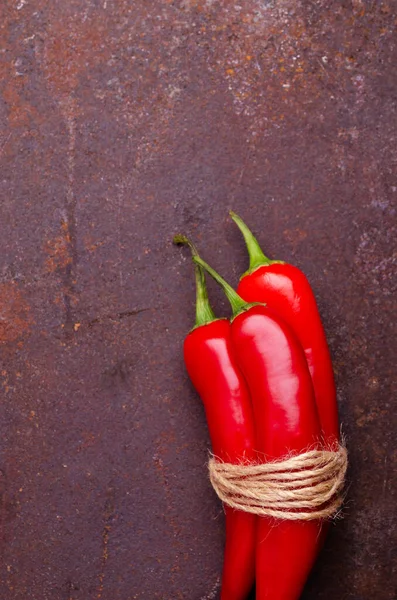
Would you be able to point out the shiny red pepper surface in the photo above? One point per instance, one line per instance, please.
(286, 289)
(211, 366)
(286, 420)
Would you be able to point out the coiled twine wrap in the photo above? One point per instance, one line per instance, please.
(302, 487)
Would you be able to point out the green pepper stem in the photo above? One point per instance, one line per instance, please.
(204, 312)
(237, 303)
(256, 256)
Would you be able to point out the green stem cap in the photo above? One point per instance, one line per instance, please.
(237, 303)
(204, 312)
(256, 257)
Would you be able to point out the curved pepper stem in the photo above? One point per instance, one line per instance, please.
(237, 303)
(256, 257)
(204, 312)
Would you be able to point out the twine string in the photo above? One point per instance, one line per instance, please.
(302, 487)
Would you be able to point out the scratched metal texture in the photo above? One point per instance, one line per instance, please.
(122, 123)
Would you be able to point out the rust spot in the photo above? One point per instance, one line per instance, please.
(295, 236)
(108, 518)
(19, 111)
(13, 81)
(88, 440)
(92, 245)
(68, 51)
(59, 250)
(15, 319)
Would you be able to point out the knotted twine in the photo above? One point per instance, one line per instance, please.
(302, 487)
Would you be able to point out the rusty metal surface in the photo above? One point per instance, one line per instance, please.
(123, 123)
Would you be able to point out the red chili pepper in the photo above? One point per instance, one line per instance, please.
(286, 289)
(211, 365)
(275, 369)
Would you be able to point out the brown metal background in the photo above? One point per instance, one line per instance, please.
(122, 123)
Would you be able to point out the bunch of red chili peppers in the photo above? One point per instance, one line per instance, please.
(266, 380)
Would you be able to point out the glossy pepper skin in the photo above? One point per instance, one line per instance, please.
(212, 368)
(286, 420)
(286, 289)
